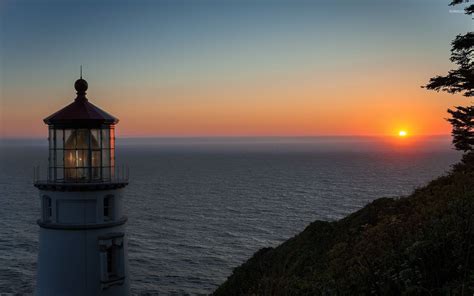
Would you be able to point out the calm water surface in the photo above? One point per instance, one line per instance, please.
(199, 207)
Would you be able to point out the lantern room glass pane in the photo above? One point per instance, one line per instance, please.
(82, 158)
(59, 140)
(105, 157)
(59, 158)
(51, 156)
(59, 173)
(95, 173)
(96, 158)
(95, 138)
(81, 155)
(82, 174)
(105, 138)
(51, 138)
(106, 173)
(70, 174)
(70, 139)
(69, 158)
(82, 139)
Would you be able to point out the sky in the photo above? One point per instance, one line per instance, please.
(231, 68)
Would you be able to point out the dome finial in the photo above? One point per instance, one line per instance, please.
(81, 86)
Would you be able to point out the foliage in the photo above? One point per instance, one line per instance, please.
(416, 245)
(469, 10)
(463, 127)
(460, 80)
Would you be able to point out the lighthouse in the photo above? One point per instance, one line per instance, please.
(82, 240)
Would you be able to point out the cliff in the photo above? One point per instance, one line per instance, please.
(415, 245)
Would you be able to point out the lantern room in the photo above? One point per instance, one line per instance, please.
(81, 141)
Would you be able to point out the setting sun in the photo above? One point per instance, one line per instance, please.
(402, 133)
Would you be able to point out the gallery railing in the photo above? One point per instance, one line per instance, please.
(117, 174)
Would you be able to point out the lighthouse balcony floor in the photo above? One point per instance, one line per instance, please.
(86, 226)
(80, 186)
(76, 182)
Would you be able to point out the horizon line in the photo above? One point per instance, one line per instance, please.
(241, 136)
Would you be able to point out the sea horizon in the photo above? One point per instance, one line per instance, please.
(413, 140)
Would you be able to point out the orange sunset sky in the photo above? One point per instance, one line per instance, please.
(232, 69)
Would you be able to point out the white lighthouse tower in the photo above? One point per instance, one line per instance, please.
(82, 249)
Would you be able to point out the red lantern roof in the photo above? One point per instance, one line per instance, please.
(81, 113)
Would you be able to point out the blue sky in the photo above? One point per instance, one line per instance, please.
(168, 51)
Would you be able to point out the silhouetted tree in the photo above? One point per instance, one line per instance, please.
(460, 80)
(463, 129)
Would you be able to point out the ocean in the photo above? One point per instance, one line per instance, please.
(198, 207)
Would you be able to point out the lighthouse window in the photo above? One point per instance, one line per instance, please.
(111, 250)
(47, 208)
(108, 210)
(111, 261)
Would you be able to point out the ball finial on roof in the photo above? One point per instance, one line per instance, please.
(81, 86)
